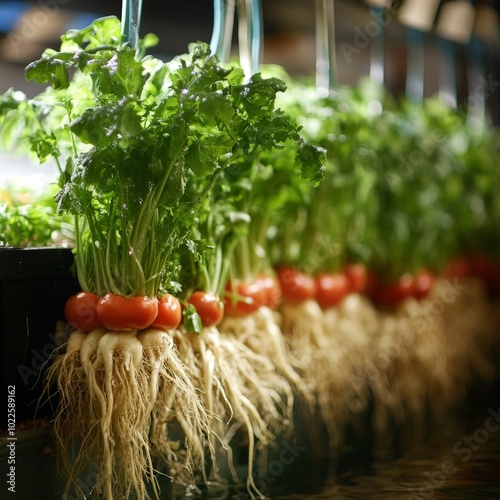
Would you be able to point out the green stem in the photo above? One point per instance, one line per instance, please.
(150, 204)
(102, 285)
(110, 244)
(218, 269)
(81, 267)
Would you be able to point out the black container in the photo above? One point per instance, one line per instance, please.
(34, 286)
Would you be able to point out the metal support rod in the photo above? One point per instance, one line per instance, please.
(447, 73)
(131, 20)
(222, 32)
(326, 60)
(415, 70)
(377, 50)
(250, 35)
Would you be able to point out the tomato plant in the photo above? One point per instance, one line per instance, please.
(331, 288)
(296, 285)
(169, 313)
(80, 311)
(208, 306)
(121, 314)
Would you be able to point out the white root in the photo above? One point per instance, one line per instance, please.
(88, 356)
(407, 369)
(245, 391)
(67, 374)
(156, 344)
(470, 331)
(266, 388)
(123, 417)
(260, 332)
(241, 389)
(180, 429)
(350, 328)
(128, 397)
(110, 414)
(428, 353)
(304, 328)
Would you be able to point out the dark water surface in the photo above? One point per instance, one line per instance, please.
(457, 457)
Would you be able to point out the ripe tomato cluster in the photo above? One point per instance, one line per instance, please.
(208, 306)
(87, 311)
(391, 294)
(478, 266)
(245, 297)
(330, 288)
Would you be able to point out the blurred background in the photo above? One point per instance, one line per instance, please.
(467, 30)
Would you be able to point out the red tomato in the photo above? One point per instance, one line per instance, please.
(357, 277)
(120, 314)
(80, 311)
(479, 266)
(423, 283)
(272, 290)
(331, 288)
(296, 285)
(392, 294)
(209, 307)
(251, 291)
(457, 268)
(493, 279)
(371, 283)
(169, 313)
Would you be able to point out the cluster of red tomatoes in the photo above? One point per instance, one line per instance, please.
(329, 289)
(86, 311)
(478, 266)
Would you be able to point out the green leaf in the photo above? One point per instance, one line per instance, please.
(52, 70)
(312, 159)
(101, 125)
(103, 31)
(44, 145)
(10, 100)
(149, 41)
(192, 321)
(216, 106)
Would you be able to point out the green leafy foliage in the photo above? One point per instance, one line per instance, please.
(152, 155)
(405, 186)
(29, 220)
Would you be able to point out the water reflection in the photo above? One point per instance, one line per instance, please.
(456, 458)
